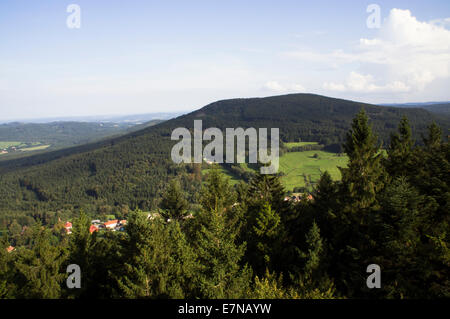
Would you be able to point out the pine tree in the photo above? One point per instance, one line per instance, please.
(264, 228)
(400, 150)
(221, 273)
(434, 137)
(81, 244)
(174, 202)
(266, 232)
(39, 269)
(396, 230)
(313, 282)
(216, 195)
(158, 262)
(363, 177)
(361, 181)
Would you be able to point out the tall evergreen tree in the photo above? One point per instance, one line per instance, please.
(174, 202)
(363, 177)
(399, 161)
(361, 181)
(39, 269)
(222, 274)
(158, 262)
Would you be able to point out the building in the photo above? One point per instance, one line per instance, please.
(111, 224)
(10, 249)
(93, 228)
(68, 227)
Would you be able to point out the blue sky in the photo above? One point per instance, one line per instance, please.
(153, 56)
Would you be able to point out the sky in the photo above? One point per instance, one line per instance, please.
(131, 57)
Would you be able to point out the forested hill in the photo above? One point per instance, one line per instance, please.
(307, 116)
(433, 107)
(133, 169)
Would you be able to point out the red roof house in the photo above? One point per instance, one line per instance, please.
(93, 228)
(111, 223)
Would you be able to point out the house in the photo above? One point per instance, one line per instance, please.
(68, 227)
(93, 228)
(123, 222)
(10, 249)
(111, 224)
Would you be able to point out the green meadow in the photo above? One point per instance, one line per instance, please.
(35, 148)
(231, 179)
(301, 169)
(6, 144)
(297, 144)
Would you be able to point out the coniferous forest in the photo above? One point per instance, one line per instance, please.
(209, 239)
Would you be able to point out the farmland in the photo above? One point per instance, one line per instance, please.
(12, 147)
(298, 144)
(301, 169)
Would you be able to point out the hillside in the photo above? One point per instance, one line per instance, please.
(132, 170)
(18, 139)
(433, 107)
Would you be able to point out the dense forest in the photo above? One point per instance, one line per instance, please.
(131, 171)
(248, 241)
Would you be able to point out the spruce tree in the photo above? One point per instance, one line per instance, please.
(158, 261)
(363, 177)
(400, 154)
(40, 269)
(174, 202)
(221, 274)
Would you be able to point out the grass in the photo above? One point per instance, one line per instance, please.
(35, 148)
(231, 179)
(301, 168)
(6, 144)
(297, 144)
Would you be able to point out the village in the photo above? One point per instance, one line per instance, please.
(97, 225)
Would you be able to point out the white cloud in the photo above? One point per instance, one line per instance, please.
(365, 84)
(407, 55)
(274, 86)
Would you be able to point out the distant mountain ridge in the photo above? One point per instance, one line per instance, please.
(128, 118)
(434, 107)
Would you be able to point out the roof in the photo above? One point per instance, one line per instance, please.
(10, 249)
(93, 228)
(68, 225)
(111, 222)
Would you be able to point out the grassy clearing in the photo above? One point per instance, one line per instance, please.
(231, 179)
(297, 144)
(6, 144)
(302, 168)
(35, 148)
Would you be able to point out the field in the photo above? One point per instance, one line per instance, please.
(6, 144)
(35, 148)
(231, 179)
(13, 147)
(297, 144)
(302, 168)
